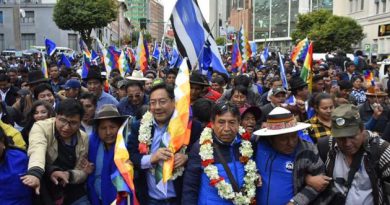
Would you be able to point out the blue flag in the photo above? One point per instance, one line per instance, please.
(175, 60)
(156, 51)
(264, 56)
(283, 73)
(50, 47)
(64, 61)
(192, 33)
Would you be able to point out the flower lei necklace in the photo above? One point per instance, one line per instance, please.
(225, 190)
(145, 140)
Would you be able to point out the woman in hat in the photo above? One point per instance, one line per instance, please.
(101, 190)
(357, 90)
(40, 110)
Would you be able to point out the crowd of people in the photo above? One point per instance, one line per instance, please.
(253, 139)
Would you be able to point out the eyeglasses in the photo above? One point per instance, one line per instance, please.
(161, 102)
(63, 122)
(134, 96)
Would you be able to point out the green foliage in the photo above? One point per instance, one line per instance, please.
(221, 41)
(84, 15)
(135, 36)
(328, 32)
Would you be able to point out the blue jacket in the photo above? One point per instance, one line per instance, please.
(125, 108)
(12, 190)
(196, 186)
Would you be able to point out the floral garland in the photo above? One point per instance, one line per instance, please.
(145, 140)
(225, 190)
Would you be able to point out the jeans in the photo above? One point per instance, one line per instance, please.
(171, 201)
(82, 201)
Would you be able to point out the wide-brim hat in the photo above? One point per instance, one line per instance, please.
(137, 75)
(280, 121)
(297, 83)
(35, 77)
(256, 111)
(197, 79)
(372, 91)
(109, 112)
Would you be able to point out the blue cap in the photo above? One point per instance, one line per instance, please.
(72, 83)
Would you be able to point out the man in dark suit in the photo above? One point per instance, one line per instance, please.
(148, 157)
(8, 92)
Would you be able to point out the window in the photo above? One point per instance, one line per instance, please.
(384, 6)
(2, 46)
(28, 17)
(1, 17)
(362, 5)
(28, 40)
(377, 7)
(72, 41)
(350, 6)
(356, 5)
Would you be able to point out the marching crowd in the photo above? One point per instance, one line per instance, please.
(252, 140)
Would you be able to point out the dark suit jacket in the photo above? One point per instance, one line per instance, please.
(11, 96)
(140, 182)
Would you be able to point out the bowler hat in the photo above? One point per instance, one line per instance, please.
(94, 72)
(197, 79)
(296, 83)
(35, 77)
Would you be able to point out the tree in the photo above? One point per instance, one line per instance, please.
(328, 32)
(135, 36)
(221, 41)
(84, 15)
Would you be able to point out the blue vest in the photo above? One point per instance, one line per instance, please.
(276, 170)
(12, 190)
(209, 194)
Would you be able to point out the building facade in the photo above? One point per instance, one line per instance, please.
(137, 10)
(374, 17)
(156, 20)
(241, 14)
(275, 20)
(25, 23)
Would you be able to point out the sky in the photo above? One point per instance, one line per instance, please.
(169, 4)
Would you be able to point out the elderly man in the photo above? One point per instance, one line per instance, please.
(284, 159)
(56, 150)
(148, 151)
(356, 159)
(221, 148)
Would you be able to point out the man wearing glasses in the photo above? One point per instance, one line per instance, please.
(56, 152)
(148, 162)
(135, 99)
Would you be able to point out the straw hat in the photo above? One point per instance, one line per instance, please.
(373, 91)
(280, 121)
(137, 75)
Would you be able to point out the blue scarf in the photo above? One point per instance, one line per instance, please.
(100, 187)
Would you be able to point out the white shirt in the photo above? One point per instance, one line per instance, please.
(361, 190)
(3, 94)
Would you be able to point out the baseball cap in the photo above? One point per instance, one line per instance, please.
(278, 90)
(345, 121)
(121, 83)
(72, 83)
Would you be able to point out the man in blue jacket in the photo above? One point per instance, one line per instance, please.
(284, 160)
(216, 171)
